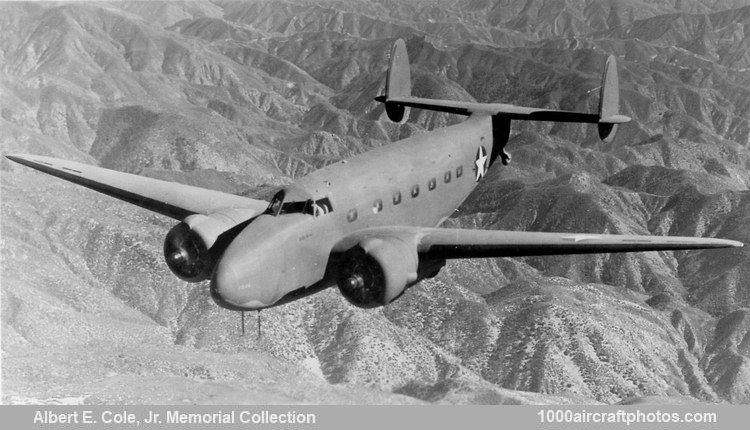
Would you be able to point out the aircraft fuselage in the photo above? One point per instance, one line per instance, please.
(418, 181)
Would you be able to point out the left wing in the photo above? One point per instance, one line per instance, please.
(172, 199)
(445, 243)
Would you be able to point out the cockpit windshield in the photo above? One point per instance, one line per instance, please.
(280, 206)
(275, 207)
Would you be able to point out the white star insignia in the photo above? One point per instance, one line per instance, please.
(481, 160)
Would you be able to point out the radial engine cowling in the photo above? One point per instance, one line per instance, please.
(377, 271)
(191, 247)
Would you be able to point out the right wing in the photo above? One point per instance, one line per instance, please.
(460, 243)
(167, 198)
(447, 243)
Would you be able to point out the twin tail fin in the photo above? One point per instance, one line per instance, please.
(398, 99)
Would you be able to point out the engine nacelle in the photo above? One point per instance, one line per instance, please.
(377, 271)
(191, 248)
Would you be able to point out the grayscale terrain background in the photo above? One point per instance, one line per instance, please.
(245, 96)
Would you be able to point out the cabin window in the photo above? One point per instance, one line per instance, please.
(351, 216)
(431, 184)
(377, 206)
(447, 177)
(459, 171)
(396, 198)
(414, 191)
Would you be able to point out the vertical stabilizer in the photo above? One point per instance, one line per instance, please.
(398, 82)
(609, 101)
(398, 100)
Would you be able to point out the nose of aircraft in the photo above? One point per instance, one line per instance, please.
(248, 274)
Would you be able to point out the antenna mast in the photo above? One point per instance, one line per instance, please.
(242, 322)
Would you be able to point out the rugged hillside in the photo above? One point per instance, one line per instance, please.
(244, 96)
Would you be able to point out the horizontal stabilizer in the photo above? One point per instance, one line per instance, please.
(172, 199)
(398, 97)
(506, 110)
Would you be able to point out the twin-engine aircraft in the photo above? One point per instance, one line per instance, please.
(368, 224)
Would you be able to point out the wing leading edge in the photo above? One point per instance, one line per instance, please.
(167, 198)
(447, 243)
(458, 243)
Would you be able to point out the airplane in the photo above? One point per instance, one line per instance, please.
(369, 224)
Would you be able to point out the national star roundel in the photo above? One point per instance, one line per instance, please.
(480, 164)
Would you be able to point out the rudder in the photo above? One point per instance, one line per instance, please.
(609, 101)
(398, 82)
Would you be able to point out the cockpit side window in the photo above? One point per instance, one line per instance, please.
(280, 207)
(321, 207)
(297, 207)
(325, 204)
